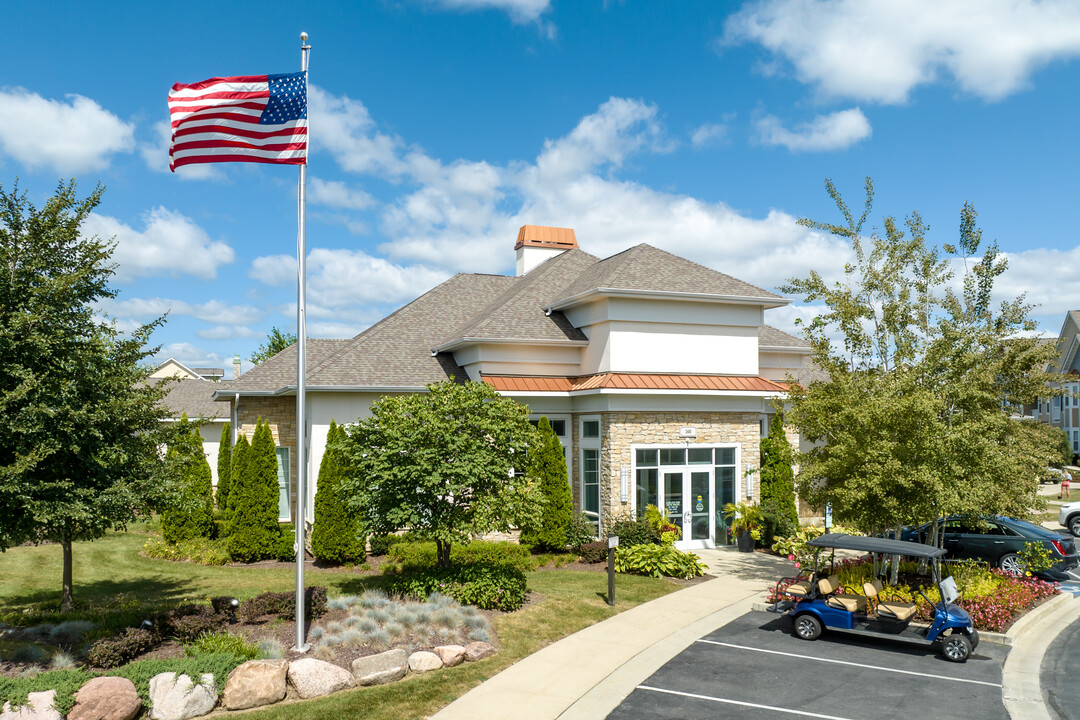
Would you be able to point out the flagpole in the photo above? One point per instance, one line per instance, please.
(301, 389)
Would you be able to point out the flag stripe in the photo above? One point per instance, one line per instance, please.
(249, 118)
(198, 132)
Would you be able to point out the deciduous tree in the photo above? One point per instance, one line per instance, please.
(276, 341)
(79, 422)
(913, 422)
(441, 463)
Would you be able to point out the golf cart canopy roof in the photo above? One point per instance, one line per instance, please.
(841, 541)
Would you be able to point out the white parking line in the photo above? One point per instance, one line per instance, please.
(844, 662)
(743, 704)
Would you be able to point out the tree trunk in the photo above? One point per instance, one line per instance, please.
(66, 596)
(442, 550)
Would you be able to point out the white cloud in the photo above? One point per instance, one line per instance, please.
(334, 193)
(880, 50)
(1031, 272)
(229, 332)
(156, 156)
(520, 11)
(170, 244)
(68, 137)
(212, 311)
(709, 134)
(834, 131)
(347, 131)
(342, 278)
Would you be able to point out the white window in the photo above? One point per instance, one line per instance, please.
(284, 487)
(590, 468)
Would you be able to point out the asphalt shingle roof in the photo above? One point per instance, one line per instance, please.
(650, 269)
(396, 351)
(195, 398)
(773, 337)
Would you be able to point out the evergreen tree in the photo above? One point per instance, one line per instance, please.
(190, 513)
(337, 536)
(238, 465)
(224, 467)
(547, 468)
(778, 480)
(253, 518)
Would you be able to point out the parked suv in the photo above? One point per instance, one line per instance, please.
(999, 540)
(1069, 517)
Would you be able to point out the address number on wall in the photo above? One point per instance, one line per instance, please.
(687, 432)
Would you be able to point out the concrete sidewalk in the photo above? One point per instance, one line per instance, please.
(587, 674)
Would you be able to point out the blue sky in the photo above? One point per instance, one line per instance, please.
(438, 127)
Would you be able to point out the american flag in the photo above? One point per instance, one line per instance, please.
(249, 118)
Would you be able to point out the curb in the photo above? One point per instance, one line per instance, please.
(1030, 637)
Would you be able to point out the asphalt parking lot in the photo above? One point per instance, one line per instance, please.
(754, 668)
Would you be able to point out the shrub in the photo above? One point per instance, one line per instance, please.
(422, 555)
(487, 587)
(284, 604)
(337, 536)
(115, 651)
(547, 467)
(221, 643)
(381, 543)
(593, 552)
(657, 561)
(224, 467)
(631, 531)
(1036, 558)
(285, 544)
(240, 453)
(202, 551)
(582, 530)
(777, 481)
(191, 513)
(253, 515)
(190, 627)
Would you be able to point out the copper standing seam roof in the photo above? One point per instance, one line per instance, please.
(633, 381)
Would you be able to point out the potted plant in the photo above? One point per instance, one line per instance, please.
(745, 521)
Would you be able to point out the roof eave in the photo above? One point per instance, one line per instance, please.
(796, 349)
(225, 395)
(466, 341)
(766, 302)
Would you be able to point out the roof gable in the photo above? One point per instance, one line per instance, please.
(644, 268)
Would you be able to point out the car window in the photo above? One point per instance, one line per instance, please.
(995, 529)
(1008, 531)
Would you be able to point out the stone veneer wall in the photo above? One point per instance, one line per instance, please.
(620, 430)
(280, 413)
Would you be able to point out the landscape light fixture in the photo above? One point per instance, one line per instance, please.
(233, 604)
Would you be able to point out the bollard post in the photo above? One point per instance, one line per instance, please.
(612, 543)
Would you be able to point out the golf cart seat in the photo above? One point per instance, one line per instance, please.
(830, 590)
(888, 609)
(802, 588)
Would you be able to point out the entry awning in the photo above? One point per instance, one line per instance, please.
(633, 381)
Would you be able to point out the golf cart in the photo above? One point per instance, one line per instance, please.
(817, 602)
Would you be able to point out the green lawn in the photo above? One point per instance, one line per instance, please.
(110, 576)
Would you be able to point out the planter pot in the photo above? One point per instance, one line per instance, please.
(745, 541)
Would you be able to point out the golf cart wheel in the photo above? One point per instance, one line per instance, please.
(1074, 525)
(956, 648)
(1011, 564)
(974, 637)
(807, 627)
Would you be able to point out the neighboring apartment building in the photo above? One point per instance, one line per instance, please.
(193, 395)
(1063, 411)
(658, 374)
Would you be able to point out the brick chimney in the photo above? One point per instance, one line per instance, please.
(236, 371)
(536, 243)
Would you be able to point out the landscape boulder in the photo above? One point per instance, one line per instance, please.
(424, 661)
(174, 697)
(386, 667)
(38, 706)
(314, 678)
(451, 655)
(106, 698)
(254, 684)
(478, 651)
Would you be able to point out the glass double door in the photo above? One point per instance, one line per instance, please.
(688, 504)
